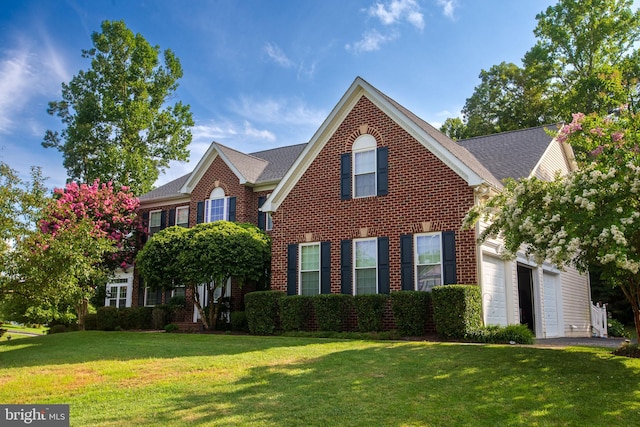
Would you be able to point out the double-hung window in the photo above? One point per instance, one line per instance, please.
(182, 216)
(428, 261)
(364, 166)
(117, 292)
(310, 269)
(155, 221)
(216, 207)
(365, 266)
(152, 297)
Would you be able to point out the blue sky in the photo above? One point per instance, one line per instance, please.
(258, 74)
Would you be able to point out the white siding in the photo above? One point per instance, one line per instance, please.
(552, 161)
(576, 302)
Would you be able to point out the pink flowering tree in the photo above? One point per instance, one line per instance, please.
(88, 230)
(590, 217)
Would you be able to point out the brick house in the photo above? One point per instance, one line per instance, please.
(374, 203)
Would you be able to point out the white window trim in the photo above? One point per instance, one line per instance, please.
(216, 194)
(300, 271)
(181, 208)
(146, 297)
(268, 221)
(150, 215)
(416, 263)
(355, 267)
(118, 280)
(362, 144)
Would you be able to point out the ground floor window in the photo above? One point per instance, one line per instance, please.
(428, 261)
(118, 290)
(310, 269)
(365, 266)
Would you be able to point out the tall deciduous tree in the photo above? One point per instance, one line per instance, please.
(207, 254)
(118, 125)
(589, 217)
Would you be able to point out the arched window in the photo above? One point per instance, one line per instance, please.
(364, 166)
(216, 206)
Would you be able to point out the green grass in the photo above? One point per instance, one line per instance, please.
(135, 379)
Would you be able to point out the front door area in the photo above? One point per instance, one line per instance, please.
(525, 296)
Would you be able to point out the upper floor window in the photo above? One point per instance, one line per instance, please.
(364, 171)
(182, 216)
(216, 207)
(269, 222)
(155, 221)
(364, 166)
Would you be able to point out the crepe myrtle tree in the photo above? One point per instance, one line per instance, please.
(209, 254)
(588, 217)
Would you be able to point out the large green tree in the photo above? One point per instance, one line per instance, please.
(585, 59)
(208, 254)
(590, 217)
(118, 125)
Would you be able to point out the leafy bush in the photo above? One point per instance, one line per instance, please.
(628, 350)
(145, 317)
(369, 311)
(177, 302)
(57, 329)
(160, 316)
(91, 322)
(616, 329)
(261, 309)
(332, 311)
(493, 334)
(128, 318)
(294, 312)
(239, 321)
(457, 310)
(107, 318)
(410, 310)
(171, 327)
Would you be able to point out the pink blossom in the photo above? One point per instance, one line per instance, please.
(597, 131)
(617, 136)
(597, 151)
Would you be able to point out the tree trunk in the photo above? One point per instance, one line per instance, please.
(196, 301)
(632, 293)
(82, 308)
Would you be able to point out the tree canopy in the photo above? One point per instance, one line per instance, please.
(585, 59)
(590, 217)
(118, 125)
(208, 254)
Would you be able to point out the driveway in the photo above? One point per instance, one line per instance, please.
(589, 342)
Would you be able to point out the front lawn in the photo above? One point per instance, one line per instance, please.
(135, 379)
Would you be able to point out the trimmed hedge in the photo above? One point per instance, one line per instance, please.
(332, 311)
(294, 312)
(160, 316)
(107, 319)
(91, 322)
(239, 321)
(129, 318)
(410, 309)
(261, 309)
(369, 311)
(519, 334)
(457, 310)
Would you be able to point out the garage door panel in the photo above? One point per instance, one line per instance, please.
(494, 298)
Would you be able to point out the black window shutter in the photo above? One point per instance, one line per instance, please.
(172, 217)
(262, 217)
(158, 296)
(406, 262)
(167, 296)
(383, 265)
(346, 274)
(145, 222)
(232, 209)
(200, 213)
(449, 257)
(382, 155)
(163, 220)
(345, 176)
(325, 267)
(292, 269)
(140, 291)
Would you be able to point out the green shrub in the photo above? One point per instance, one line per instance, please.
(160, 316)
(171, 327)
(91, 322)
(145, 317)
(107, 318)
(332, 311)
(616, 329)
(457, 310)
(294, 312)
(261, 309)
(239, 321)
(178, 302)
(410, 309)
(493, 334)
(369, 311)
(57, 329)
(128, 318)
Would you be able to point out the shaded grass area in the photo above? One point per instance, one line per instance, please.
(120, 378)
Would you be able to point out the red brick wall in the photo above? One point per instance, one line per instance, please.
(421, 189)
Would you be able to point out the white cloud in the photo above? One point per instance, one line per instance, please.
(371, 41)
(397, 11)
(277, 55)
(448, 7)
(278, 111)
(249, 130)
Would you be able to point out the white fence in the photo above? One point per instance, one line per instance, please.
(599, 320)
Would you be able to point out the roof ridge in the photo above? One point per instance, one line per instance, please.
(277, 148)
(240, 152)
(509, 131)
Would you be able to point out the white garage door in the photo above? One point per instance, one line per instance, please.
(494, 298)
(552, 325)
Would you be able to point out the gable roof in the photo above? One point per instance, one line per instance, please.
(262, 167)
(458, 158)
(512, 154)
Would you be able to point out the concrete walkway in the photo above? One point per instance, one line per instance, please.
(589, 342)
